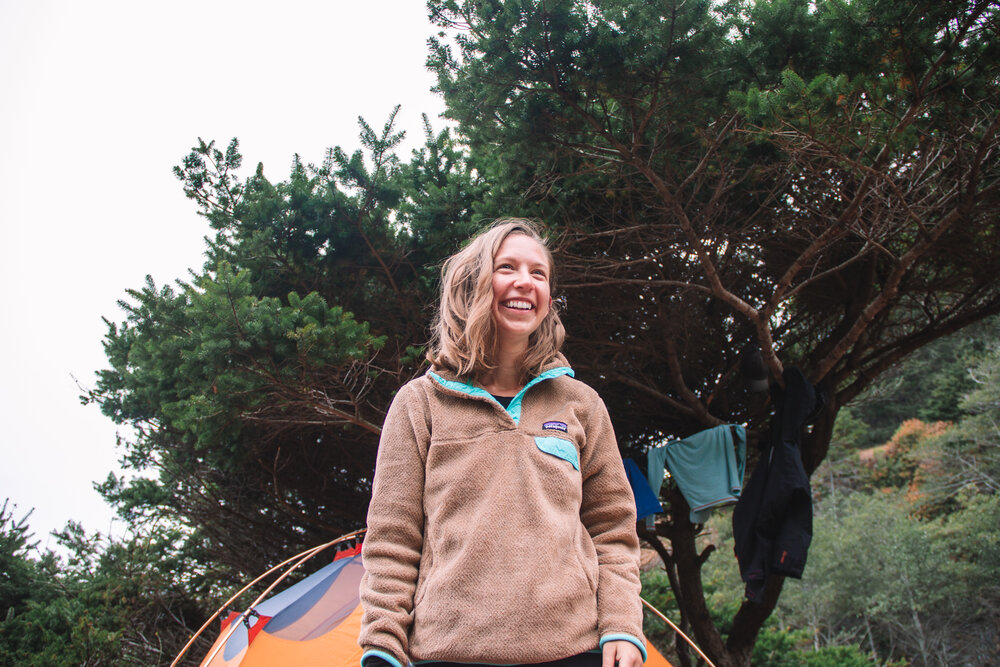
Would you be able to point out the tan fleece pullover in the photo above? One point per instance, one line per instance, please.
(499, 536)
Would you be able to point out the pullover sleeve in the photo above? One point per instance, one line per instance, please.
(394, 541)
(608, 512)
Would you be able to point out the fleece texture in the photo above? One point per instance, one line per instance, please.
(499, 536)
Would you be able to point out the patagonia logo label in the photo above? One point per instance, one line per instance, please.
(555, 426)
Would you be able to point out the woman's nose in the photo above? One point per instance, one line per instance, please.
(522, 278)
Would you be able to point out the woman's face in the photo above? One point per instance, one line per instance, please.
(520, 288)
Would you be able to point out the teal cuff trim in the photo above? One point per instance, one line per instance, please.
(626, 638)
(514, 409)
(388, 657)
(558, 447)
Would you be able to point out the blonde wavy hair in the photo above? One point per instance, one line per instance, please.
(463, 334)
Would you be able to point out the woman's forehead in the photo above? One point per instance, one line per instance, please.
(522, 246)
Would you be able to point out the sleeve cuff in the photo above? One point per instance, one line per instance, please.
(389, 658)
(625, 638)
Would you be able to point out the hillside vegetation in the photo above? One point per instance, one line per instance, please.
(906, 548)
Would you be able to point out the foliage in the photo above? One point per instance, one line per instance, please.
(920, 501)
(257, 390)
(617, 135)
(928, 386)
(111, 601)
(969, 454)
(887, 580)
(973, 532)
(19, 573)
(783, 648)
(923, 500)
(656, 590)
(840, 470)
(898, 463)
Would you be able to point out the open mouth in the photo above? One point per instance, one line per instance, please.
(518, 305)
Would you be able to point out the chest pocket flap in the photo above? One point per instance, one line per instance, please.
(560, 448)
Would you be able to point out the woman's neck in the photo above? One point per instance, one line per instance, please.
(503, 381)
(507, 378)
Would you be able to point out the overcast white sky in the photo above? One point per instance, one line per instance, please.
(98, 100)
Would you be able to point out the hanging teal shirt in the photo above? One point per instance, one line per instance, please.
(707, 466)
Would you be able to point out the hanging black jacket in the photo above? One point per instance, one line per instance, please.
(772, 522)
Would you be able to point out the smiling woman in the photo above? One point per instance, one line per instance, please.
(502, 527)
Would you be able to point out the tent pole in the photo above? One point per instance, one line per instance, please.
(304, 556)
(678, 631)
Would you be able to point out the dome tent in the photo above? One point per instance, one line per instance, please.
(316, 621)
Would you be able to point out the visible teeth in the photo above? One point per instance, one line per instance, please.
(520, 305)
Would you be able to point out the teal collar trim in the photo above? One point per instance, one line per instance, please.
(514, 409)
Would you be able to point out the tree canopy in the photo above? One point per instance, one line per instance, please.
(816, 180)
